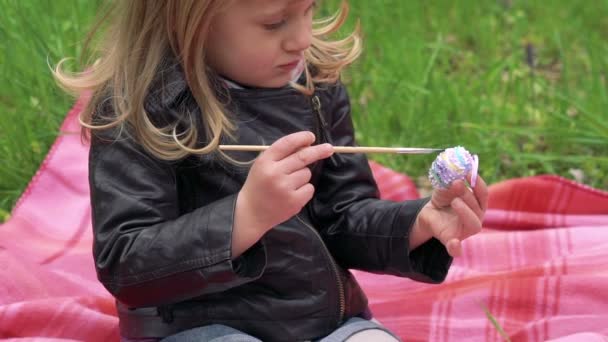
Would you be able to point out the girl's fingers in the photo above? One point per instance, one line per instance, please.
(442, 198)
(476, 199)
(481, 193)
(468, 204)
(304, 157)
(471, 223)
(469, 199)
(466, 224)
(300, 177)
(454, 247)
(288, 145)
(304, 193)
(451, 240)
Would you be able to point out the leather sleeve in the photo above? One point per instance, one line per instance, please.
(362, 231)
(146, 253)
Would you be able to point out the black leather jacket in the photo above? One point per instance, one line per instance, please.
(163, 229)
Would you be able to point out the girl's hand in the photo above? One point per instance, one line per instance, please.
(277, 186)
(452, 215)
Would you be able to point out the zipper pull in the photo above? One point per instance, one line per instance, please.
(316, 104)
(325, 136)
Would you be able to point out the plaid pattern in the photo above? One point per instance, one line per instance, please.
(540, 266)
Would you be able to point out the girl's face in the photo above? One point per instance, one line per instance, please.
(261, 43)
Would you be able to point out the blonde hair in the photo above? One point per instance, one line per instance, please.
(141, 36)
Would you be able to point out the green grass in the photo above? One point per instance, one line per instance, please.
(521, 83)
(33, 34)
(447, 73)
(495, 323)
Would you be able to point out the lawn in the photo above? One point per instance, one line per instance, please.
(520, 83)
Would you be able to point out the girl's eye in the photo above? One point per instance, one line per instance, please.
(275, 26)
(312, 6)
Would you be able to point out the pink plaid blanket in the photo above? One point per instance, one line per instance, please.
(540, 267)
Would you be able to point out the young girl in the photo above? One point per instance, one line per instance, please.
(197, 243)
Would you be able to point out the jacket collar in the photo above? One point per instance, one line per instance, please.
(170, 86)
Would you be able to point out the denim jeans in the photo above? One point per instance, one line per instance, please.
(222, 333)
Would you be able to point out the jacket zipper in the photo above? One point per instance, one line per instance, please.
(316, 105)
(341, 299)
(321, 132)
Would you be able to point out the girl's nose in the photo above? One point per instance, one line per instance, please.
(299, 38)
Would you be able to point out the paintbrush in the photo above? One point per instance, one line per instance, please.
(343, 149)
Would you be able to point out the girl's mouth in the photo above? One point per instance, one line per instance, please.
(291, 66)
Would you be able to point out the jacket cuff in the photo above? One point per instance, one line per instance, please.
(228, 273)
(252, 263)
(428, 262)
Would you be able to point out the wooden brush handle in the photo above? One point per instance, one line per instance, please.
(339, 149)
